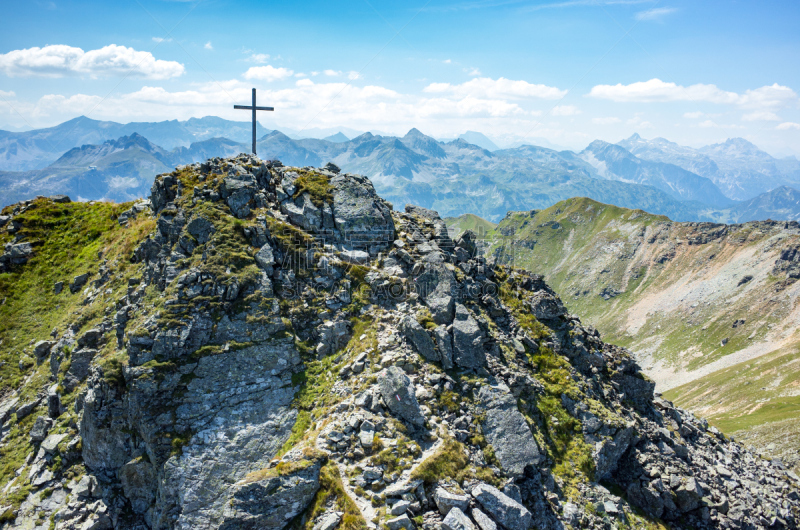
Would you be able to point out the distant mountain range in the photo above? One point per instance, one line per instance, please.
(453, 177)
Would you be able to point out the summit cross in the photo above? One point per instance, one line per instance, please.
(254, 109)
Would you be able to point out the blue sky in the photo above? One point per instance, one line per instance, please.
(567, 71)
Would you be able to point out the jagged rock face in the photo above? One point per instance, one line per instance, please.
(292, 351)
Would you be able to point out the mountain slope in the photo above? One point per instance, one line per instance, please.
(614, 162)
(690, 299)
(39, 148)
(273, 347)
(737, 167)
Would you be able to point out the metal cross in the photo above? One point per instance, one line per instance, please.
(254, 109)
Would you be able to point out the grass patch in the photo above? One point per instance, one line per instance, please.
(317, 185)
(332, 489)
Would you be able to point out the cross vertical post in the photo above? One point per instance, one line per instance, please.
(254, 108)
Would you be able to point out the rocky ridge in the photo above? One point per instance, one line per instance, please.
(280, 347)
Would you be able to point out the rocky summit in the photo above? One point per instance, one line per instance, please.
(260, 346)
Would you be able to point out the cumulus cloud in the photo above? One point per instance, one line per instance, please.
(268, 73)
(473, 72)
(208, 46)
(657, 13)
(656, 90)
(788, 125)
(565, 110)
(502, 88)
(332, 73)
(761, 115)
(60, 60)
(694, 115)
(609, 120)
(709, 124)
(4, 94)
(353, 75)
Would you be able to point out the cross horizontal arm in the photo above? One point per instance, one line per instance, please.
(250, 107)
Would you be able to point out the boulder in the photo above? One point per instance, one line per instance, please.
(303, 212)
(328, 521)
(425, 213)
(446, 501)
(436, 286)
(50, 444)
(201, 229)
(400, 522)
(272, 501)
(483, 520)
(40, 429)
(444, 345)
(419, 337)
(138, 478)
(505, 510)
(265, 258)
(457, 520)
(42, 349)
(362, 218)
(545, 305)
(238, 191)
(507, 431)
(78, 282)
(467, 340)
(399, 395)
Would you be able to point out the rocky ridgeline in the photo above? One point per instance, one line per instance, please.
(291, 351)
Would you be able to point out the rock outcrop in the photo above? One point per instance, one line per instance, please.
(279, 347)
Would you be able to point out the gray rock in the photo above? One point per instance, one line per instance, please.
(273, 501)
(138, 478)
(505, 510)
(399, 395)
(201, 229)
(607, 456)
(400, 507)
(446, 501)
(362, 218)
(40, 429)
(507, 431)
(58, 287)
(467, 340)
(78, 369)
(265, 258)
(85, 487)
(303, 212)
(545, 305)
(436, 286)
(425, 213)
(688, 494)
(78, 282)
(50, 444)
(42, 349)
(419, 337)
(483, 520)
(359, 257)
(26, 408)
(444, 345)
(400, 522)
(457, 520)
(328, 521)
(238, 191)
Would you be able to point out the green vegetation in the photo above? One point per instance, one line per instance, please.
(469, 221)
(451, 461)
(317, 185)
(332, 490)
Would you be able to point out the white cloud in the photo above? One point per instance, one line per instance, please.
(656, 13)
(565, 110)
(267, 73)
(694, 115)
(447, 61)
(161, 39)
(639, 123)
(4, 94)
(761, 115)
(485, 87)
(656, 90)
(473, 72)
(610, 120)
(353, 75)
(709, 124)
(60, 60)
(332, 73)
(208, 46)
(260, 58)
(788, 125)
